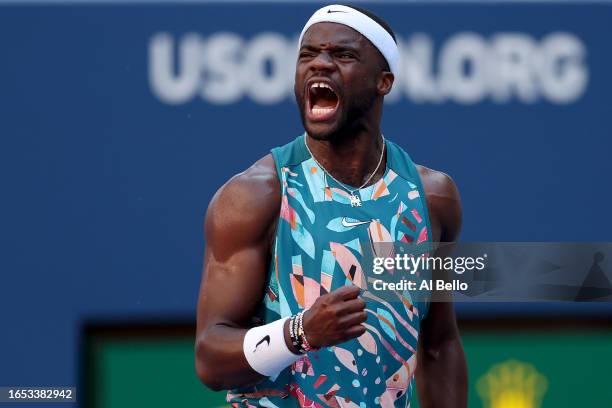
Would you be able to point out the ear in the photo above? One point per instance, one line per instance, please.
(385, 83)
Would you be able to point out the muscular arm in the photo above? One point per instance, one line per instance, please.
(442, 370)
(238, 231)
(239, 228)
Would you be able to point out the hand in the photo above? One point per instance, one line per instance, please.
(335, 317)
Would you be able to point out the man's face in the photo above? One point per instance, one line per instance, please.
(336, 78)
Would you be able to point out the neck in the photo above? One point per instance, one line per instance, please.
(352, 155)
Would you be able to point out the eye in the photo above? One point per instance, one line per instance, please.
(346, 55)
(305, 54)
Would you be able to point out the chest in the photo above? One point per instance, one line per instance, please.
(324, 241)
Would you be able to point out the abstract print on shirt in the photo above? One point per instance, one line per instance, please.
(323, 243)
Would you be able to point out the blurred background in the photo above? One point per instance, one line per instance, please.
(119, 121)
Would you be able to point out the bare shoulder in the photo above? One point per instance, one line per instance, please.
(437, 183)
(443, 201)
(246, 204)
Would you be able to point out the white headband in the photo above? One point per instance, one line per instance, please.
(358, 21)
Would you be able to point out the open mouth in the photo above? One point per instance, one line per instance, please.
(322, 101)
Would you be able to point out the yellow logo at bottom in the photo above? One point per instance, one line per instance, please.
(512, 384)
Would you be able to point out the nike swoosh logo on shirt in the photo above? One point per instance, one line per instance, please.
(350, 224)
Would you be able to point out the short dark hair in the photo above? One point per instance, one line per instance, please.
(376, 18)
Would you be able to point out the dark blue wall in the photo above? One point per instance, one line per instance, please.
(105, 182)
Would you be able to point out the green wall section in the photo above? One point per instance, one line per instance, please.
(126, 372)
(577, 367)
(159, 372)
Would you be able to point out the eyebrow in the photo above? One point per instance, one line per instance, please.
(333, 48)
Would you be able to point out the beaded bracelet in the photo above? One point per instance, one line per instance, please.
(297, 334)
(293, 332)
(305, 344)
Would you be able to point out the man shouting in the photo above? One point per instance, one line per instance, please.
(284, 316)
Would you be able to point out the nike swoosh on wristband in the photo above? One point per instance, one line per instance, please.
(266, 339)
(350, 224)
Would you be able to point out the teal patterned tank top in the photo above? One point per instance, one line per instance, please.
(321, 244)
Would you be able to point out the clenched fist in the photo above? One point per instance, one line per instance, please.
(335, 317)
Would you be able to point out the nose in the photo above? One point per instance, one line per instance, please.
(322, 62)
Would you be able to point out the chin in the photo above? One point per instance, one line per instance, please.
(324, 130)
(320, 131)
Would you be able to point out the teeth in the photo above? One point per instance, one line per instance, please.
(321, 111)
(320, 85)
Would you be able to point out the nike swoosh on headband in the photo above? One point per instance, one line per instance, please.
(336, 11)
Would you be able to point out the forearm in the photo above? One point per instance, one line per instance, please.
(442, 376)
(221, 359)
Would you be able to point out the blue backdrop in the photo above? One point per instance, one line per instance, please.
(119, 122)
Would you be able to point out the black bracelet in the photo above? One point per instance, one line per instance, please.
(294, 335)
(298, 335)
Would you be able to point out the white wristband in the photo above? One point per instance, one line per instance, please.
(265, 348)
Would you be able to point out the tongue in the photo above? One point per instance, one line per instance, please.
(323, 98)
(324, 103)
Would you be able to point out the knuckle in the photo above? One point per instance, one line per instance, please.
(337, 311)
(321, 303)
